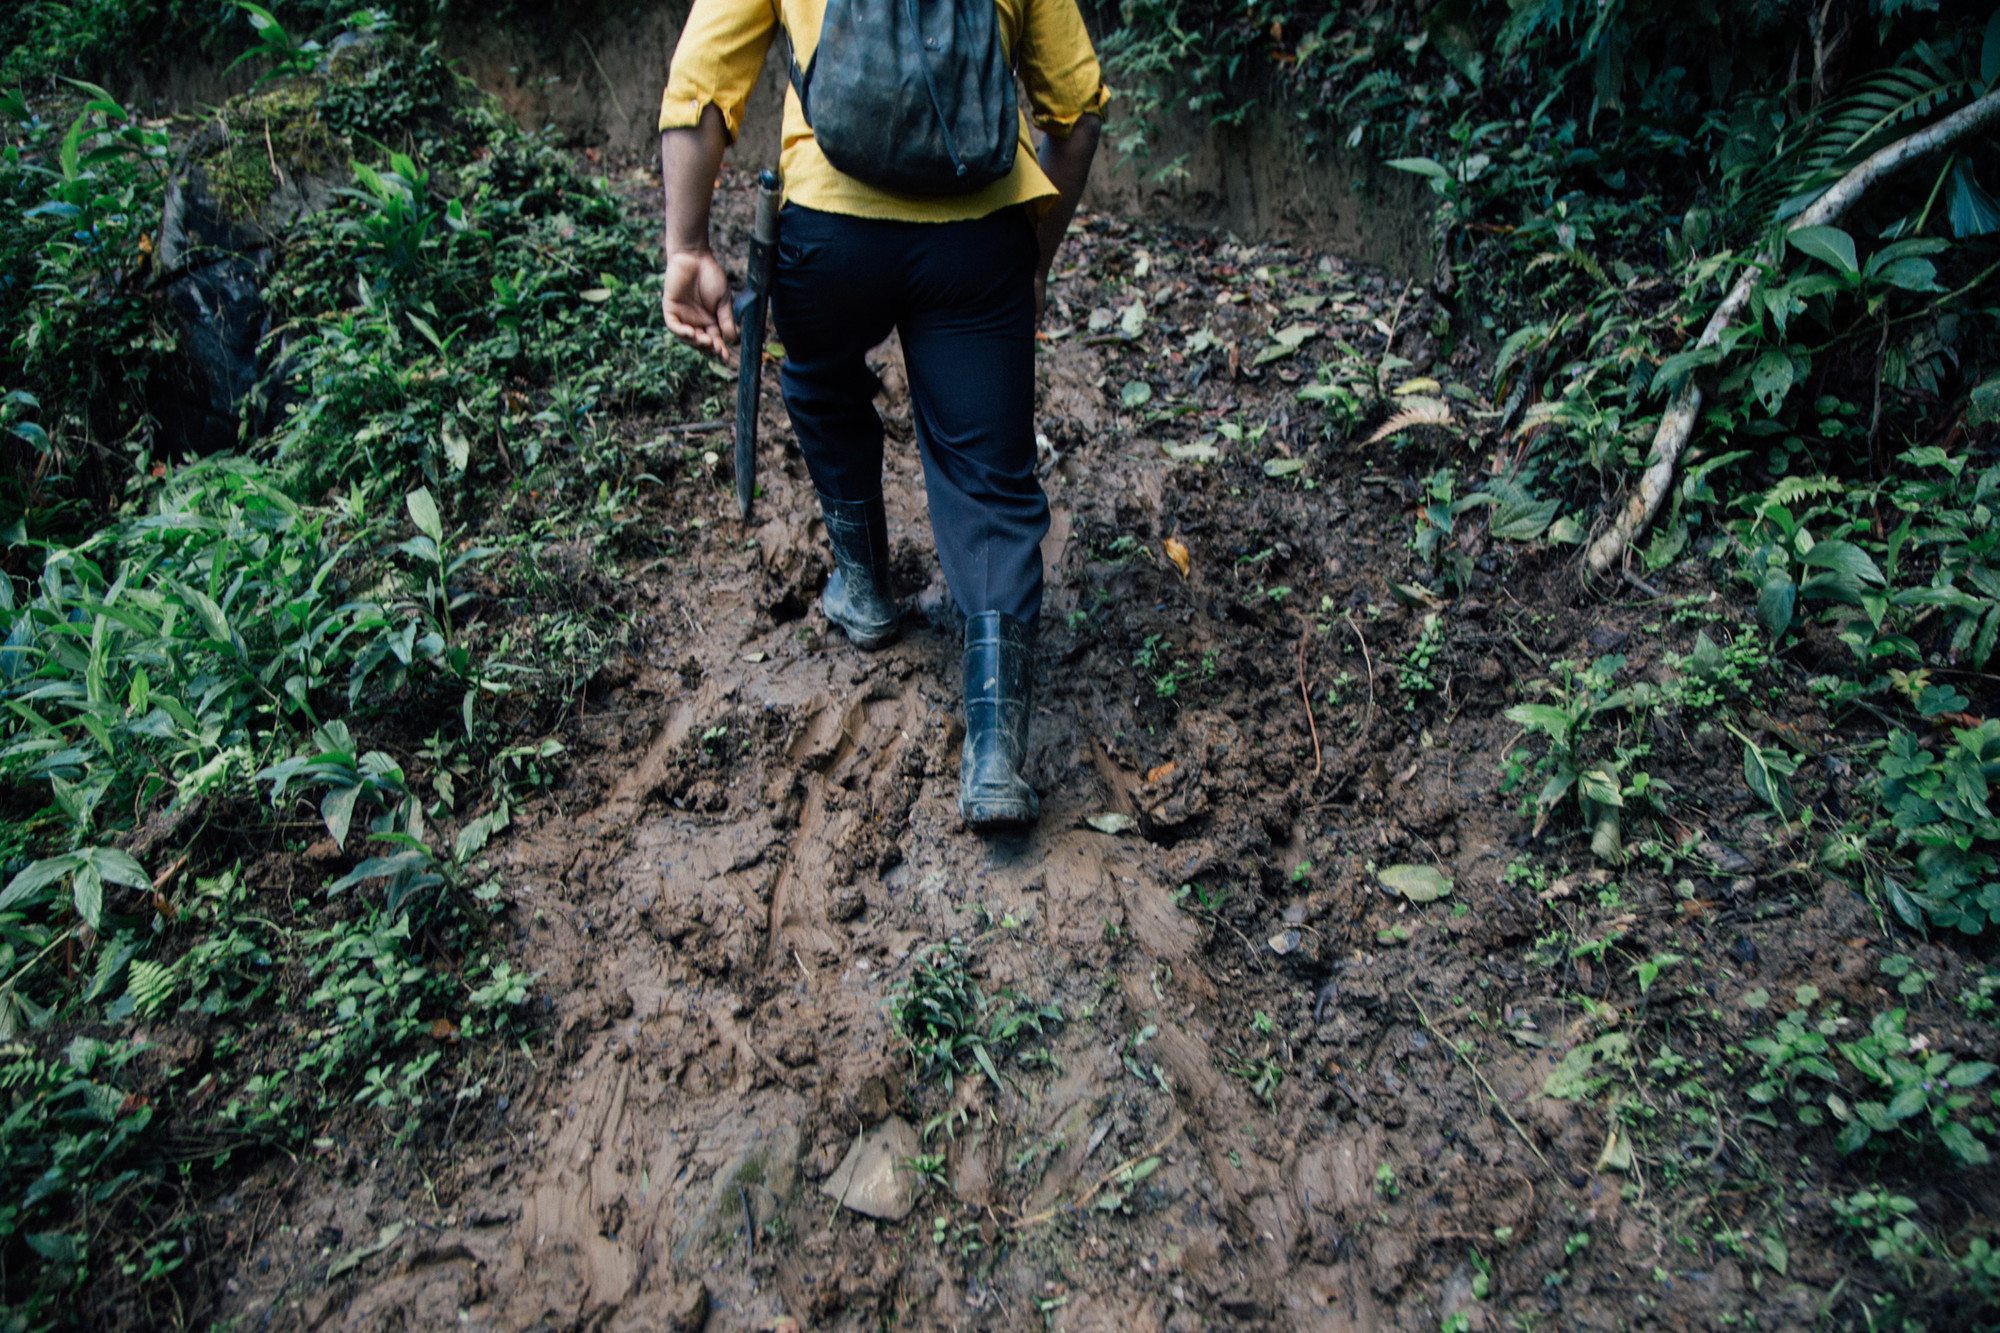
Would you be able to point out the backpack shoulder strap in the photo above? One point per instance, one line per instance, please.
(796, 75)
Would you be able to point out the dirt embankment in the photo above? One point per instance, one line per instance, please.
(1343, 1089)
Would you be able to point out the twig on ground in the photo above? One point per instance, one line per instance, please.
(1389, 343)
(1466, 1060)
(1366, 660)
(1526, 651)
(1644, 586)
(1306, 695)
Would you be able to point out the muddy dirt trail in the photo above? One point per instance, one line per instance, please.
(1260, 1106)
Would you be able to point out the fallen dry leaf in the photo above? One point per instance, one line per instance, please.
(1165, 770)
(1177, 552)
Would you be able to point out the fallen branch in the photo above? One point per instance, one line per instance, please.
(1677, 424)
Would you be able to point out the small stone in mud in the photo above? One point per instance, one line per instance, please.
(872, 1179)
(1743, 951)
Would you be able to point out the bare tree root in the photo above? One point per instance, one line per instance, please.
(1677, 423)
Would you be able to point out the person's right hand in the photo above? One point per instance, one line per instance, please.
(695, 301)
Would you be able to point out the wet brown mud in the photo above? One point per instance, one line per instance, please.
(1344, 1089)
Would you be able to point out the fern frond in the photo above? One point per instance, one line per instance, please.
(1791, 490)
(151, 985)
(1417, 411)
(1882, 107)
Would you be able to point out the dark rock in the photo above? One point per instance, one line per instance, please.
(1608, 639)
(213, 268)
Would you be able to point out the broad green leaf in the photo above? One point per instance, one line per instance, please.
(1133, 321)
(1828, 244)
(337, 809)
(39, 875)
(1111, 822)
(1136, 394)
(1907, 1103)
(1283, 467)
(120, 867)
(424, 513)
(1601, 786)
(1963, 1145)
(1911, 275)
(1771, 380)
(1517, 515)
(1970, 1074)
(1551, 721)
(213, 622)
(1765, 781)
(86, 889)
(1419, 884)
(1844, 558)
(1775, 602)
(1421, 166)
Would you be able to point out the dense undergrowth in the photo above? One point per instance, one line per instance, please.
(1602, 175)
(358, 628)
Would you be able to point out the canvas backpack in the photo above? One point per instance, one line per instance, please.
(912, 96)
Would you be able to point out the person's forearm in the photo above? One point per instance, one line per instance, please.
(689, 161)
(1066, 162)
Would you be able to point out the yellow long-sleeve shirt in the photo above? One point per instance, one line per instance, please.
(722, 49)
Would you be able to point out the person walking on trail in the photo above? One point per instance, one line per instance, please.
(914, 201)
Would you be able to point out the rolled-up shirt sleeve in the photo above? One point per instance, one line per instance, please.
(717, 60)
(1059, 67)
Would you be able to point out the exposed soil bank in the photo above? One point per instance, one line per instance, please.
(597, 82)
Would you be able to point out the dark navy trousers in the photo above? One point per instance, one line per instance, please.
(961, 294)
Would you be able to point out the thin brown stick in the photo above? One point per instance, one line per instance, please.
(1306, 695)
(1366, 660)
(1465, 1059)
(1389, 343)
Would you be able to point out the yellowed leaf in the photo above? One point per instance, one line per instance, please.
(1177, 552)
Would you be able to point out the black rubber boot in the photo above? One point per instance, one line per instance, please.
(858, 598)
(993, 792)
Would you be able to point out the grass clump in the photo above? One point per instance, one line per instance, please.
(950, 1025)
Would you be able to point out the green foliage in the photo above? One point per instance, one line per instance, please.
(1577, 764)
(1910, 1097)
(1939, 805)
(1917, 1091)
(252, 637)
(950, 1025)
